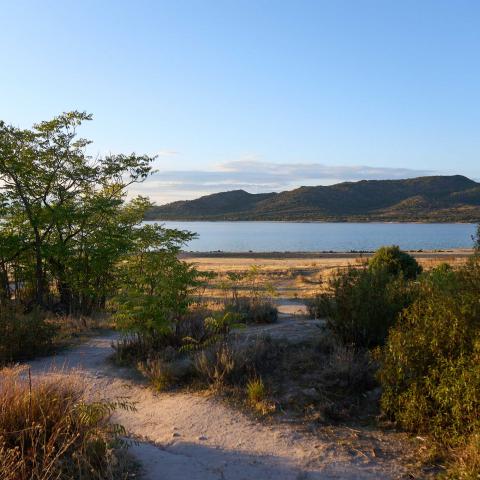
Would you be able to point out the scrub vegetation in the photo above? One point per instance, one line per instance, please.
(397, 341)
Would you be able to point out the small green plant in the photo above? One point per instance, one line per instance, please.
(476, 240)
(155, 287)
(256, 390)
(215, 328)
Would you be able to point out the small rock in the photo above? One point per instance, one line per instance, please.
(202, 438)
(175, 434)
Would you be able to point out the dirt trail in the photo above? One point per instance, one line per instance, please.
(190, 436)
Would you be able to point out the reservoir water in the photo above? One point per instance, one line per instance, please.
(318, 237)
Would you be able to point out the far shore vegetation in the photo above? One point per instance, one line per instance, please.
(397, 343)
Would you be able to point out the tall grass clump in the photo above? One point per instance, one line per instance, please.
(47, 430)
(430, 368)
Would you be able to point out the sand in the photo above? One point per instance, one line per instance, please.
(196, 436)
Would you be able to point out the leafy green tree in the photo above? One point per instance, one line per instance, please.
(55, 199)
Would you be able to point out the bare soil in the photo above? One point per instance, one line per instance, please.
(196, 436)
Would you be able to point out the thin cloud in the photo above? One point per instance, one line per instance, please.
(167, 153)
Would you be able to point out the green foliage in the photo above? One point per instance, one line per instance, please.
(476, 240)
(23, 335)
(430, 369)
(364, 304)
(395, 262)
(321, 306)
(65, 221)
(256, 390)
(216, 328)
(155, 287)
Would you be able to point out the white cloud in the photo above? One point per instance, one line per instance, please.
(167, 153)
(258, 176)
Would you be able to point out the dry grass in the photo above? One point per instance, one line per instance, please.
(466, 460)
(47, 430)
(294, 277)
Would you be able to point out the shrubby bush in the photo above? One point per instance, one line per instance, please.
(255, 305)
(362, 304)
(23, 335)
(321, 306)
(395, 262)
(253, 310)
(430, 368)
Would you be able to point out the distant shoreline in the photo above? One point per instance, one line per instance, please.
(454, 252)
(373, 222)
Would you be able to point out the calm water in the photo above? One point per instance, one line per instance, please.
(311, 237)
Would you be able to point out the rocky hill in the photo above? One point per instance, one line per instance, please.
(424, 199)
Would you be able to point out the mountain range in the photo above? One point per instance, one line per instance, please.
(424, 199)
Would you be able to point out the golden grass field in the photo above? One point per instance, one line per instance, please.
(295, 275)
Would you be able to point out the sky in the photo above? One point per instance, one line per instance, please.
(263, 95)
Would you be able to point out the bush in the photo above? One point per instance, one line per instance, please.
(395, 262)
(216, 364)
(365, 304)
(48, 432)
(233, 361)
(476, 240)
(22, 335)
(321, 306)
(252, 310)
(430, 369)
(164, 373)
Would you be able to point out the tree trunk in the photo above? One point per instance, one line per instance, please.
(39, 277)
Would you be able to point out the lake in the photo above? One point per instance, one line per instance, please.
(317, 237)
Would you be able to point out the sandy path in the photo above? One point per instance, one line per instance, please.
(190, 436)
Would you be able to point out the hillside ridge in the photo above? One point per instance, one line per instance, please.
(454, 198)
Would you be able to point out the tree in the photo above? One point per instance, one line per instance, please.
(56, 200)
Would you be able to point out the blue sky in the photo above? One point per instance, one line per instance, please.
(254, 94)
